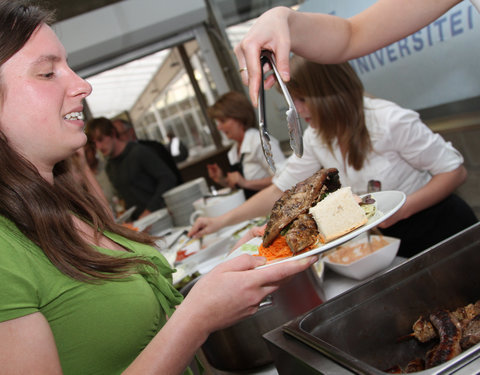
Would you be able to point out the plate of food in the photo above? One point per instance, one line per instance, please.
(317, 215)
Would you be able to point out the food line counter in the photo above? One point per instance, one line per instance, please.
(368, 317)
(332, 285)
(357, 332)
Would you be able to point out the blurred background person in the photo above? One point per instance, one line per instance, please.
(136, 172)
(235, 117)
(176, 147)
(126, 133)
(86, 178)
(96, 162)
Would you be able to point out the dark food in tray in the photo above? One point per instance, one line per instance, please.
(360, 328)
(455, 331)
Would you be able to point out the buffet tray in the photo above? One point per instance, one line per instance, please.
(360, 329)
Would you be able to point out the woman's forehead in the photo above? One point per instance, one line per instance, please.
(43, 46)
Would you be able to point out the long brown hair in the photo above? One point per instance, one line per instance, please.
(42, 212)
(334, 95)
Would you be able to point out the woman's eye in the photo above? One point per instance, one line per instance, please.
(48, 75)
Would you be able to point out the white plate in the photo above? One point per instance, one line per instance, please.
(387, 203)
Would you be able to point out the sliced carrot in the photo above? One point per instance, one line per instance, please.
(278, 249)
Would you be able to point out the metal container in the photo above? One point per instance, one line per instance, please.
(241, 347)
(359, 330)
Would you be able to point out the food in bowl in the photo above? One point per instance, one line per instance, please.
(355, 260)
(350, 252)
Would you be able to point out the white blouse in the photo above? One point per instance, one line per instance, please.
(254, 164)
(406, 153)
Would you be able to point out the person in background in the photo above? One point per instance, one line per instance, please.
(97, 163)
(78, 293)
(235, 117)
(126, 133)
(136, 172)
(85, 177)
(176, 147)
(367, 139)
(329, 39)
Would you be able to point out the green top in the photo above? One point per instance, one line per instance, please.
(99, 328)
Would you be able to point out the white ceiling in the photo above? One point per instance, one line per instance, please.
(116, 90)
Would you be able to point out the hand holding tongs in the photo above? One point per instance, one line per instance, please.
(294, 126)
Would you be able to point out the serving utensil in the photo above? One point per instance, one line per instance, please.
(372, 187)
(293, 122)
(216, 195)
(183, 233)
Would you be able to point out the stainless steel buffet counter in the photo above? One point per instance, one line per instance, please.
(357, 331)
(333, 285)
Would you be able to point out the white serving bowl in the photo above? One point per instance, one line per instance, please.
(217, 205)
(368, 264)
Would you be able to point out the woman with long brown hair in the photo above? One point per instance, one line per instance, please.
(367, 139)
(78, 293)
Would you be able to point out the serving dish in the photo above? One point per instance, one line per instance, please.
(126, 215)
(189, 256)
(360, 329)
(387, 203)
(156, 221)
(368, 263)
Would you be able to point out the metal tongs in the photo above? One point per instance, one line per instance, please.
(294, 126)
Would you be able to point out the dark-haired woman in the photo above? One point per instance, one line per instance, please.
(79, 294)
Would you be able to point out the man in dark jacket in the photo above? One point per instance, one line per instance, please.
(136, 172)
(126, 133)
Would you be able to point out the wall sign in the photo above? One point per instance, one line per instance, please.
(434, 66)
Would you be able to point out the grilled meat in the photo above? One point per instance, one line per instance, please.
(423, 330)
(302, 233)
(466, 313)
(298, 200)
(471, 333)
(415, 365)
(450, 334)
(457, 330)
(394, 370)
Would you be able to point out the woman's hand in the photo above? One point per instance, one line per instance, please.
(216, 174)
(235, 179)
(234, 289)
(270, 32)
(205, 225)
(251, 233)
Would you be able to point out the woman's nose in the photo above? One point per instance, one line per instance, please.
(81, 86)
